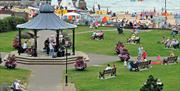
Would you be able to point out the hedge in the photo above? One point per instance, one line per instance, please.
(9, 23)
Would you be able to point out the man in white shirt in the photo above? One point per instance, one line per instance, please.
(174, 31)
(108, 67)
(51, 48)
(17, 86)
(25, 46)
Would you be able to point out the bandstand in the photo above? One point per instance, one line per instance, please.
(46, 20)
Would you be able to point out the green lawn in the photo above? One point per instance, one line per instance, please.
(9, 75)
(125, 80)
(83, 42)
(6, 40)
(106, 46)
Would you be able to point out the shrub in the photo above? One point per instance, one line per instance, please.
(2, 25)
(9, 23)
(152, 85)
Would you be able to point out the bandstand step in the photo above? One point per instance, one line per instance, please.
(46, 61)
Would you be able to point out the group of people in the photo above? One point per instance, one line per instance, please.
(142, 54)
(94, 24)
(142, 57)
(10, 61)
(170, 43)
(147, 15)
(133, 24)
(27, 47)
(134, 38)
(122, 52)
(97, 35)
(133, 65)
(49, 46)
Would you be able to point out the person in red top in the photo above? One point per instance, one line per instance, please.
(144, 55)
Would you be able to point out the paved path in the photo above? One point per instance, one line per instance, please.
(97, 59)
(45, 77)
(110, 30)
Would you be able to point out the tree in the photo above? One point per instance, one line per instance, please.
(152, 84)
(9, 23)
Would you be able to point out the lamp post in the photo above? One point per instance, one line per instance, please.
(66, 76)
(165, 5)
(165, 11)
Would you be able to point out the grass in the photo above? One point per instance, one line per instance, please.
(6, 39)
(106, 46)
(125, 80)
(83, 42)
(9, 75)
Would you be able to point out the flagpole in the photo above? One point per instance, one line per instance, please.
(165, 5)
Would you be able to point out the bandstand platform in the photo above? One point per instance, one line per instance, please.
(44, 59)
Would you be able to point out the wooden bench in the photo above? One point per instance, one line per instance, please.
(144, 65)
(170, 60)
(111, 72)
(137, 41)
(140, 66)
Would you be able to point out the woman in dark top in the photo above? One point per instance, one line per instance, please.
(46, 45)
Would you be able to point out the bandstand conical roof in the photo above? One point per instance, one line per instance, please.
(46, 20)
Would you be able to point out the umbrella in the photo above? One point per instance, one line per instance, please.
(105, 19)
